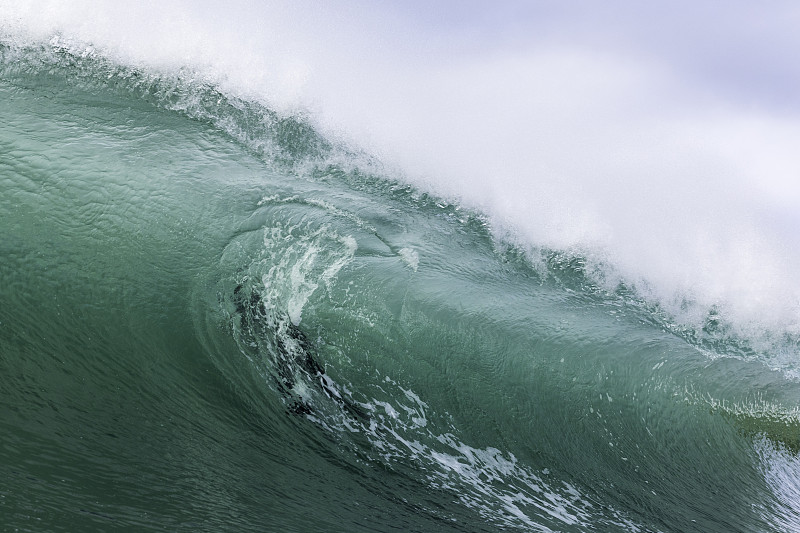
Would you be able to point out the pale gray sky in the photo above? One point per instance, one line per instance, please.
(747, 50)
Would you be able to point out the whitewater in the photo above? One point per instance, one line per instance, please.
(290, 267)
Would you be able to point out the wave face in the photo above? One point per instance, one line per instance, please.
(214, 317)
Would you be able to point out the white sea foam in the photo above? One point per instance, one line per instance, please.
(781, 471)
(301, 265)
(635, 140)
(409, 257)
(487, 480)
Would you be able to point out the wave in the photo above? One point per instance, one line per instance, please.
(356, 327)
(291, 143)
(612, 158)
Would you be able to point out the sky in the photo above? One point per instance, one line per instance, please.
(742, 49)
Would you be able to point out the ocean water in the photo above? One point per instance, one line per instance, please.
(216, 314)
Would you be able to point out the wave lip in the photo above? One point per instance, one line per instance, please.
(593, 151)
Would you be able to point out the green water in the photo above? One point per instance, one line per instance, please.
(456, 384)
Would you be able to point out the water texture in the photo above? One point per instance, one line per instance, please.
(214, 317)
